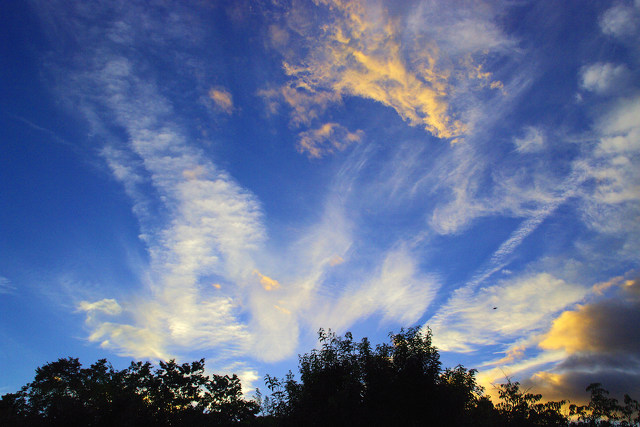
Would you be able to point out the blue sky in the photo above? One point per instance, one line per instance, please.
(221, 179)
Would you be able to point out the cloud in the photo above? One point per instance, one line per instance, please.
(524, 305)
(278, 36)
(6, 287)
(107, 306)
(620, 129)
(397, 291)
(600, 344)
(612, 201)
(267, 282)
(336, 260)
(601, 327)
(618, 375)
(198, 223)
(327, 139)
(222, 99)
(604, 78)
(366, 52)
(532, 141)
(307, 104)
(347, 63)
(620, 20)
(127, 340)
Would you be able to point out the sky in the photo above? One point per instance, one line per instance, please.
(221, 179)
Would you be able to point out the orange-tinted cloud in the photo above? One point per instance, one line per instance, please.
(361, 54)
(222, 99)
(602, 327)
(267, 282)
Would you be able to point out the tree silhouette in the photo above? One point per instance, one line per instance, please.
(603, 410)
(400, 383)
(342, 382)
(63, 393)
(519, 408)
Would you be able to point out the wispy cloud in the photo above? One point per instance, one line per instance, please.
(327, 139)
(397, 291)
(201, 223)
(611, 204)
(6, 287)
(523, 305)
(532, 141)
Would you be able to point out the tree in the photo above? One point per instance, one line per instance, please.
(399, 383)
(519, 408)
(630, 412)
(63, 393)
(603, 410)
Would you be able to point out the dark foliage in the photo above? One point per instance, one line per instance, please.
(517, 408)
(63, 393)
(603, 410)
(401, 383)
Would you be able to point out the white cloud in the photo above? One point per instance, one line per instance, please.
(469, 28)
(524, 305)
(398, 291)
(201, 224)
(107, 306)
(532, 141)
(605, 78)
(612, 202)
(620, 20)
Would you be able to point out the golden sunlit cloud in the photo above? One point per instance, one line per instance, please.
(599, 326)
(361, 54)
(569, 332)
(267, 282)
(222, 98)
